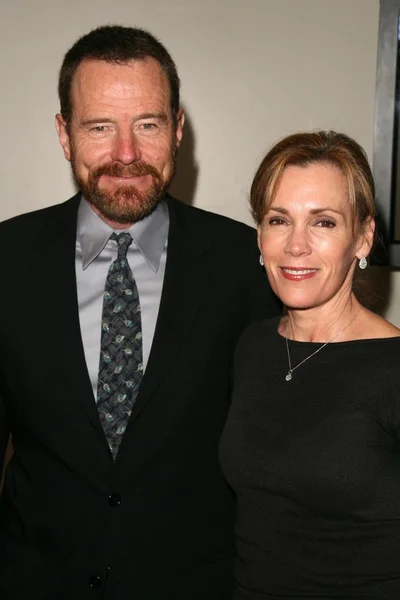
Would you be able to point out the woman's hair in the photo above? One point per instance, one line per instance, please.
(304, 149)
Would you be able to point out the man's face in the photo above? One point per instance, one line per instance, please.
(122, 138)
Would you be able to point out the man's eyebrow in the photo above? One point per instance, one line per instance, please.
(160, 116)
(96, 121)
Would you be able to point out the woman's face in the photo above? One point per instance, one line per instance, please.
(307, 238)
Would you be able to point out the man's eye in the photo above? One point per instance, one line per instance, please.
(99, 128)
(149, 126)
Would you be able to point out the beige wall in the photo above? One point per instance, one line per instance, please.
(252, 71)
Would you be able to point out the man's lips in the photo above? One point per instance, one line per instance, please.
(298, 273)
(126, 178)
(125, 175)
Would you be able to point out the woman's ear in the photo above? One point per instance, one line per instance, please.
(366, 238)
(259, 237)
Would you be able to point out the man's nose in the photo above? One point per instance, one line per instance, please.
(126, 149)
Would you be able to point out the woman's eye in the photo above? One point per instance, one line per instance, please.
(326, 223)
(276, 221)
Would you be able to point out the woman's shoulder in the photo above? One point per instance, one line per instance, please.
(258, 344)
(259, 332)
(372, 326)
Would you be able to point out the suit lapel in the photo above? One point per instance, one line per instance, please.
(56, 308)
(185, 285)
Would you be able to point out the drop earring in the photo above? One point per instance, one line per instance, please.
(363, 263)
(261, 260)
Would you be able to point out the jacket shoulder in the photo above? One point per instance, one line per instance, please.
(30, 222)
(211, 223)
(234, 250)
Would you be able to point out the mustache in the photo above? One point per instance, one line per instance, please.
(136, 169)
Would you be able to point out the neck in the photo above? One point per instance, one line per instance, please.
(113, 224)
(322, 323)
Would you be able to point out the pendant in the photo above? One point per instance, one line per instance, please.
(288, 376)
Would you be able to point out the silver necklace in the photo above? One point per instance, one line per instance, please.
(289, 374)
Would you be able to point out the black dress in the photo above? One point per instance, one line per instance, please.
(315, 465)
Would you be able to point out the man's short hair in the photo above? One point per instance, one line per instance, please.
(118, 45)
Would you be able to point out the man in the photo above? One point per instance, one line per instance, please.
(118, 324)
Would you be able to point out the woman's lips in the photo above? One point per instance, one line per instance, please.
(297, 273)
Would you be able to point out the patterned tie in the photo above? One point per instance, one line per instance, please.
(121, 366)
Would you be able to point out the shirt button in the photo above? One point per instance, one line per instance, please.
(114, 499)
(94, 581)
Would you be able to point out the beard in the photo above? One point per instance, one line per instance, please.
(125, 203)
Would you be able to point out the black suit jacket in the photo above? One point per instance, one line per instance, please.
(158, 523)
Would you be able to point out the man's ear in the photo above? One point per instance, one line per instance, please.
(63, 136)
(180, 120)
(366, 238)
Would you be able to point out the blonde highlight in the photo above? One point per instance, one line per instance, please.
(304, 149)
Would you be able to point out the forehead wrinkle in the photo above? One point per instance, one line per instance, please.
(111, 85)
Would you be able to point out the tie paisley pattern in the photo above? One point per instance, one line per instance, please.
(121, 363)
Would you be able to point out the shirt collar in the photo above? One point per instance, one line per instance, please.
(150, 234)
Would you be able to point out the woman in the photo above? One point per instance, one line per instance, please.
(312, 443)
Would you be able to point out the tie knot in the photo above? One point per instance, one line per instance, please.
(124, 240)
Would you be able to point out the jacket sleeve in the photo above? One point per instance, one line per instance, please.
(4, 433)
(263, 304)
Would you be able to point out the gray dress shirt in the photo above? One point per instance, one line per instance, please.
(147, 257)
